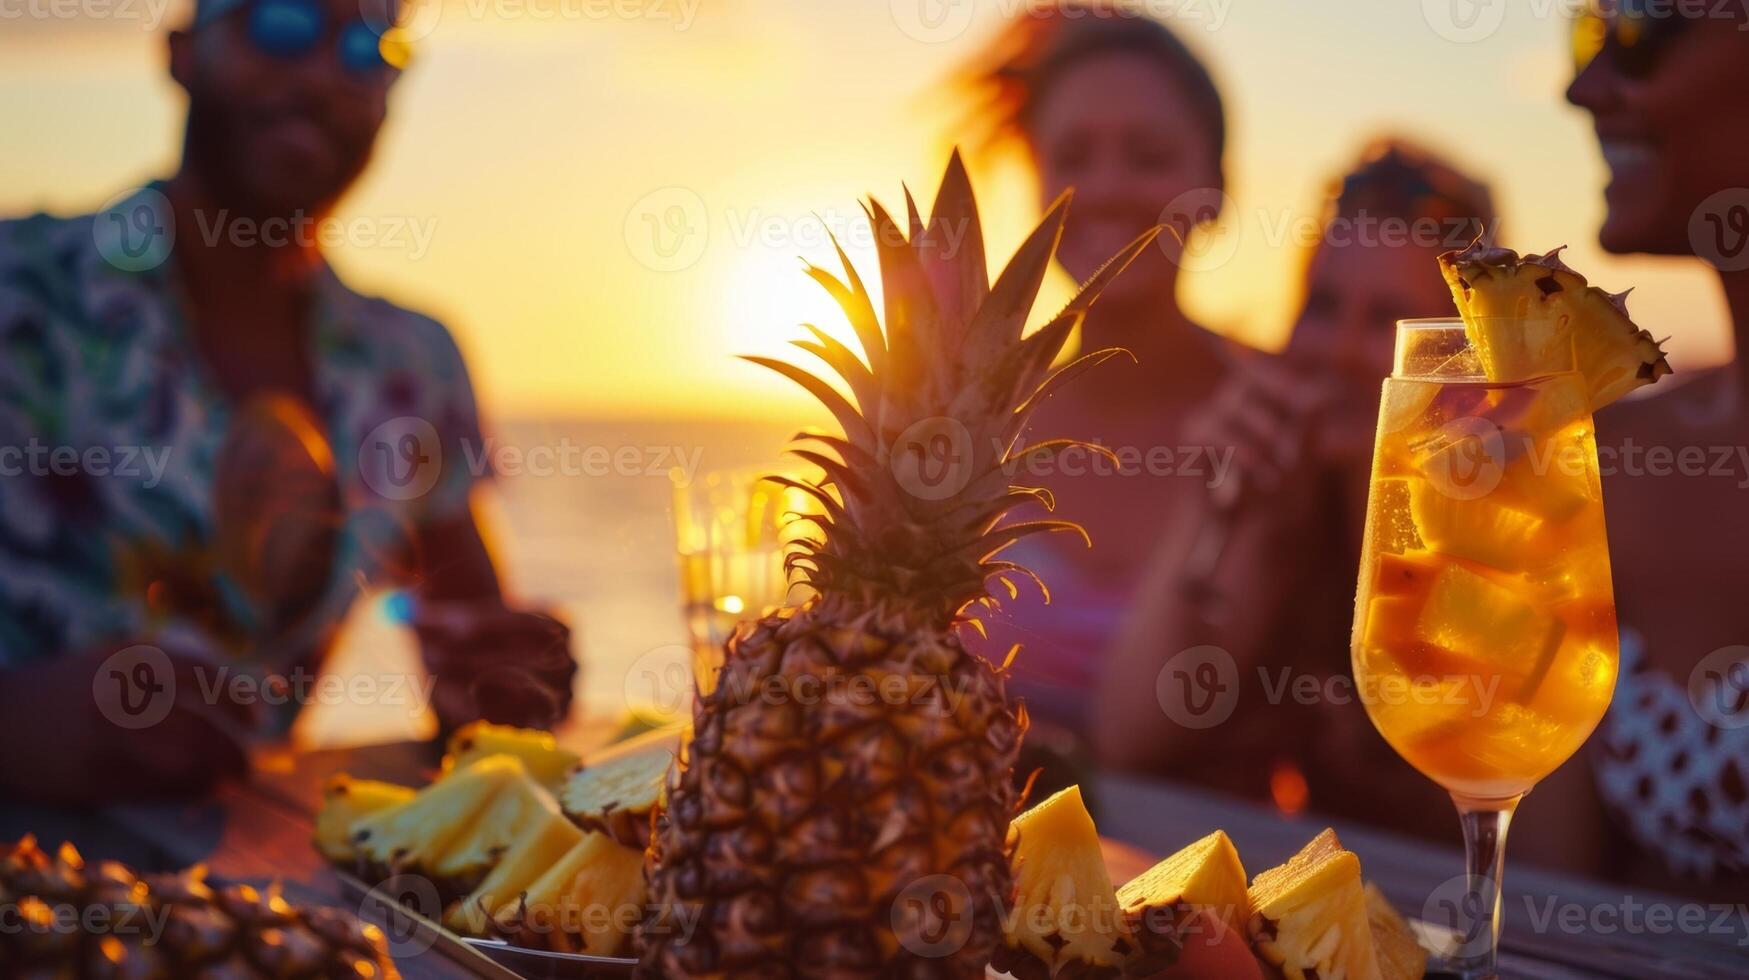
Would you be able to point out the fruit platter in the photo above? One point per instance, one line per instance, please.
(536, 857)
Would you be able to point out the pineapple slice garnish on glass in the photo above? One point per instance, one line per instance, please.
(1522, 314)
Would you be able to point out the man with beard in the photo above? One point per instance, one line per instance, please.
(209, 445)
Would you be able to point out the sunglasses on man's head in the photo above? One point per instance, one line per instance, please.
(1631, 33)
(294, 29)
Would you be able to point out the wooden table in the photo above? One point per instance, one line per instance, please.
(261, 831)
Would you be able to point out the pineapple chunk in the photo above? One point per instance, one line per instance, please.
(1066, 920)
(1165, 906)
(538, 750)
(1410, 573)
(619, 788)
(527, 859)
(1533, 315)
(344, 801)
(1497, 633)
(589, 901)
(1482, 529)
(1310, 918)
(1401, 956)
(519, 809)
(439, 820)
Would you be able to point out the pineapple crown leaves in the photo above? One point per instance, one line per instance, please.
(913, 491)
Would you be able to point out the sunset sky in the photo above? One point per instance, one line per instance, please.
(605, 199)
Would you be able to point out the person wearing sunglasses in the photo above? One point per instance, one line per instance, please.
(1667, 88)
(211, 446)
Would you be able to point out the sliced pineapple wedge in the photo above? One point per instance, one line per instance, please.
(538, 750)
(526, 860)
(1310, 915)
(1401, 956)
(1533, 315)
(589, 901)
(344, 801)
(1165, 905)
(438, 833)
(1066, 921)
(618, 789)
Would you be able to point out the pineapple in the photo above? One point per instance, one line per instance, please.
(852, 746)
(618, 789)
(588, 901)
(1163, 905)
(456, 829)
(344, 801)
(107, 922)
(527, 858)
(538, 750)
(1524, 313)
(1401, 956)
(1310, 915)
(1066, 921)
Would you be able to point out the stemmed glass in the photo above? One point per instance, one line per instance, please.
(1485, 645)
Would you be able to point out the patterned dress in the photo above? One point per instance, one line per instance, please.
(110, 429)
(1677, 779)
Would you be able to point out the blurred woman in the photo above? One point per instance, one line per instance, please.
(1116, 107)
(1252, 585)
(1670, 99)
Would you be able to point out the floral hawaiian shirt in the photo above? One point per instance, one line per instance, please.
(110, 430)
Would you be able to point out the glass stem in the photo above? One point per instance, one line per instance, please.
(1478, 913)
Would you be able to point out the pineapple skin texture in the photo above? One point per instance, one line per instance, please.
(800, 818)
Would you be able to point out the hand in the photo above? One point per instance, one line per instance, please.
(491, 662)
(123, 722)
(1263, 415)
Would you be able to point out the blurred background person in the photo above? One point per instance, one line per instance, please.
(1117, 107)
(1669, 96)
(1259, 564)
(311, 439)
